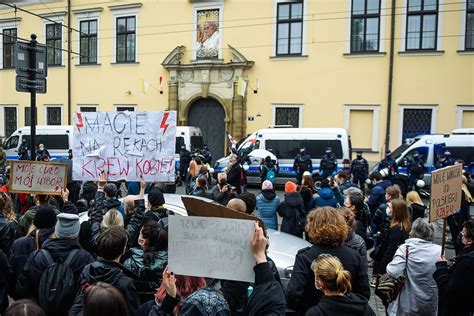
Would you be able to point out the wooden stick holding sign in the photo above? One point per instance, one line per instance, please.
(37, 177)
(445, 198)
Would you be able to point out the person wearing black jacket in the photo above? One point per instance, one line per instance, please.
(111, 245)
(455, 289)
(184, 160)
(7, 233)
(265, 167)
(221, 192)
(59, 247)
(335, 282)
(6, 278)
(293, 212)
(235, 174)
(328, 230)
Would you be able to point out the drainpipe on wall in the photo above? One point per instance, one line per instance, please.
(390, 75)
(69, 62)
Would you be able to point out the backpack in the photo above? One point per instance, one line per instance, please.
(270, 175)
(57, 288)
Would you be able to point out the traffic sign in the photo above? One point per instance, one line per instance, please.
(22, 55)
(24, 84)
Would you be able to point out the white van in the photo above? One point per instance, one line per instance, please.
(189, 136)
(56, 139)
(460, 144)
(286, 144)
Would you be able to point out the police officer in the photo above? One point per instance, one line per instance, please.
(328, 164)
(416, 170)
(390, 164)
(23, 151)
(301, 164)
(184, 160)
(445, 160)
(207, 154)
(360, 170)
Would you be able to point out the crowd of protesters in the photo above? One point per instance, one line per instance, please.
(88, 252)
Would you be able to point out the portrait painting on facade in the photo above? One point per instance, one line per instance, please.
(207, 34)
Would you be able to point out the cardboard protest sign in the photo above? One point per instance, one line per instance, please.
(445, 197)
(197, 207)
(211, 247)
(37, 177)
(126, 145)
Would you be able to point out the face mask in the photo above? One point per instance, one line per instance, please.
(359, 156)
(302, 151)
(41, 147)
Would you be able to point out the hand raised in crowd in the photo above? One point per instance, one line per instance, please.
(259, 244)
(142, 187)
(102, 181)
(170, 282)
(442, 258)
(65, 194)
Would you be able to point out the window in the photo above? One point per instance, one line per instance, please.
(9, 40)
(88, 109)
(423, 151)
(10, 120)
(125, 49)
(88, 42)
(465, 116)
(365, 26)
(422, 24)
(287, 116)
(469, 25)
(289, 28)
(11, 143)
(416, 122)
(51, 141)
(125, 108)
(289, 148)
(53, 39)
(53, 115)
(179, 143)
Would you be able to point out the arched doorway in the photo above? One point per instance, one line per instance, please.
(209, 116)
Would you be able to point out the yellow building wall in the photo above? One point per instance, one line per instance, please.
(323, 81)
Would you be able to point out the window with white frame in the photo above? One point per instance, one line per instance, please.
(362, 123)
(88, 108)
(10, 120)
(125, 107)
(125, 22)
(54, 43)
(465, 116)
(289, 115)
(88, 41)
(415, 120)
(469, 33)
(365, 26)
(289, 30)
(422, 25)
(9, 40)
(53, 115)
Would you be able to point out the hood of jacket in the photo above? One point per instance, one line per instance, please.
(106, 271)
(111, 203)
(385, 184)
(60, 247)
(135, 262)
(293, 199)
(351, 304)
(268, 194)
(326, 193)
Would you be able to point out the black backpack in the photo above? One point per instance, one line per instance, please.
(57, 288)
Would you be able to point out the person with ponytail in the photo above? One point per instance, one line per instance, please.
(335, 283)
(149, 260)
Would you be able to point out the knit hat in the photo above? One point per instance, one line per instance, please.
(69, 208)
(290, 187)
(155, 197)
(68, 226)
(205, 302)
(267, 185)
(45, 217)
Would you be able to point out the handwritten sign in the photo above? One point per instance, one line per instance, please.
(37, 177)
(126, 145)
(445, 197)
(211, 247)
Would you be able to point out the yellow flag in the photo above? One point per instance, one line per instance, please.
(241, 86)
(144, 86)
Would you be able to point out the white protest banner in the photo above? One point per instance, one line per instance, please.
(37, 177)
(445, 197)
(211, 247)
(126, 145)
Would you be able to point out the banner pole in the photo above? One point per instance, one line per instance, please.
(443, 240)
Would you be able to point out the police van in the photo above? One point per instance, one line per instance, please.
(189, 136)
(285, 144)
(460, 143)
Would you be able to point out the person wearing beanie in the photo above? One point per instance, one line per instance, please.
(45, 217)
(292, 210)
(157, 209)
(326, 196)
(62, 243)
(267, 205)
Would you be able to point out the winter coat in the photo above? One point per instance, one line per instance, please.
(101, 207)
(201, 193)
(6, 279)
(234, 177)
(455, 288)
(293, 213)
(419, 295)
(301, 293)
(381, 219)
(325, 198)
(221, 197)
(416, 211)
(267, 205)
(7, 234)
(267, 298)
(26, 220)
(350, 304)
(377, 195)
(28, 282)
(389, 245)
(307, 196)
(148, 276)
(109, 272)
(356, 242)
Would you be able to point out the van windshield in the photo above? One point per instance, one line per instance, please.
(248, 146)
(11, 143)
(397, 152)
(197, 142)
(179, 143)
(51, 141)
(289, 148)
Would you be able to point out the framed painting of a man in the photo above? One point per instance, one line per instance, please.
(207, 34)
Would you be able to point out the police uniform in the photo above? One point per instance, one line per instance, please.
(328, 165)
(416, 170)
(360, 171)
(390, 164)
(301, 164)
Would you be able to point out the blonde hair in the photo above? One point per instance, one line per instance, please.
(414, 197)
(329, 270)
(466, 190)
(193, 168)
(112, 218)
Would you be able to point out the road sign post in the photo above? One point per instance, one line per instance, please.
(31, 69)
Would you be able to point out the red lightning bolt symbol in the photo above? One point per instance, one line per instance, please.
(163, 122)
(81, 123)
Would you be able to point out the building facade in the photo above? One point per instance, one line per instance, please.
(385, 70)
